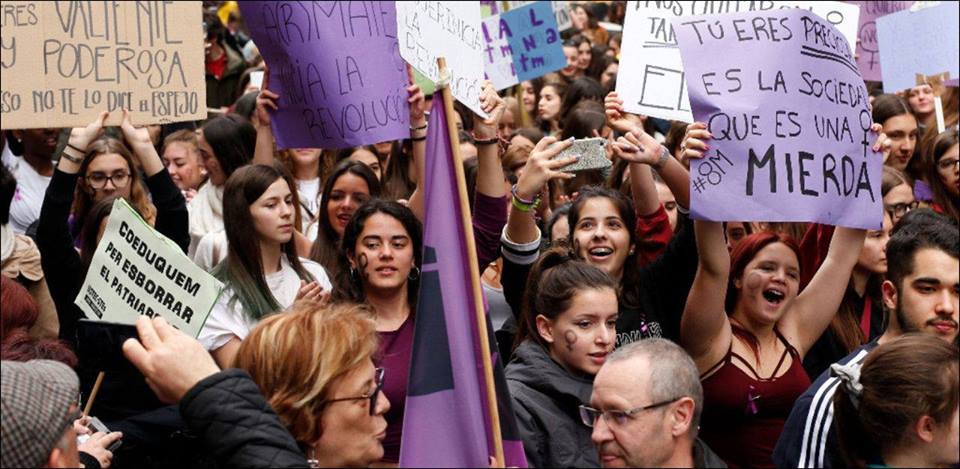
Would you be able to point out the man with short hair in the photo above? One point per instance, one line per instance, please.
(645, 408)
(37, 402)
(921, 293)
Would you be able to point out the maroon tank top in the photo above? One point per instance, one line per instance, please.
(743, 414)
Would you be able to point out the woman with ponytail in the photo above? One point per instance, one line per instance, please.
(567, 329)
(901, 408)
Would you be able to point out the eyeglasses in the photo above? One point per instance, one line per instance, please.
(99, 180)
(899, 210)
(589, 415)
(378, 379)
(946, 164)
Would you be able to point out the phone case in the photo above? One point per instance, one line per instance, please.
(592, 153)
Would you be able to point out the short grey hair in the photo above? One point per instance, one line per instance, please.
(672, 372)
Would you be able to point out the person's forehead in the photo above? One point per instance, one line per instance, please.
(935, 263)
(622, 382)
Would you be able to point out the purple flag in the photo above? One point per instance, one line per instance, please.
(791, 139)
(337, 69)
(445, 421)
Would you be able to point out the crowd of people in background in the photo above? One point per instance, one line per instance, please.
(631, 334)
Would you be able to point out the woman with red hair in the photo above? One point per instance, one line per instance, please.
(747, 327)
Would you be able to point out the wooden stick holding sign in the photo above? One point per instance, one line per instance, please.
(936, 83)
(93, 395)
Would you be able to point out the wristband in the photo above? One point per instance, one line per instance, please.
(524, 207)
(513, 192)
(490, 141)
(418, 139)
(69, 157)
(75, 148)
(422, 127)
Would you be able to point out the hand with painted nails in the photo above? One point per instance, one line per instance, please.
(542, 167)
(638, 146)
(883, 143)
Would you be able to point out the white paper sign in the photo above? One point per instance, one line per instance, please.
(427, 30)
(651, 80)
(138, 271)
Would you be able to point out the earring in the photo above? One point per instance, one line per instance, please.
(354, 275)
(414, 273)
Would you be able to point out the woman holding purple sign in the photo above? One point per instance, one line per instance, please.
(748, 327)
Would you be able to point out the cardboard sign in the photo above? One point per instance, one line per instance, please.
(522, 44)
(63, 63)
(651, 79)
(925, 41)
(868, 52)
(428, 30)
(337, 69)
(137, 271)
(791, 139)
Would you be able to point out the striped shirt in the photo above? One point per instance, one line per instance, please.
(808, 439)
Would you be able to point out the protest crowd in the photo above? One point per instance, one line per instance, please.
(267, 269)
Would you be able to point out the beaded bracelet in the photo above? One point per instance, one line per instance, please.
(524, 207)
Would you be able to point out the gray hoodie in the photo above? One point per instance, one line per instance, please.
(546, 400)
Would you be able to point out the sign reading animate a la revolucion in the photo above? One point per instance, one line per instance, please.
(137, 271)
(65, 62)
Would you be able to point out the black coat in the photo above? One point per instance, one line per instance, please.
(124, 392)
(237, 425)
(546, 400)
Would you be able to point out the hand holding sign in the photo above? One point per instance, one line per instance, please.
(417, 101)
(637, 146)
(617, 118)
(494, 106)
(172, 361)
(82, 137)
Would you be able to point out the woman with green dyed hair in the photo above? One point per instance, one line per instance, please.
(262, 273)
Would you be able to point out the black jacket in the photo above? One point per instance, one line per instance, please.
(546, 400)
(661, 290)
(123, 392)
(237, 426)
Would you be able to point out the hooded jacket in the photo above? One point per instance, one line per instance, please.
(546, 400)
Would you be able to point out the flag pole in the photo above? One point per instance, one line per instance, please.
(479, 314)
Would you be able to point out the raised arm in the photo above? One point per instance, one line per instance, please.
(418, 138)
(266, 102)
(704, 328)
(540, 168)
(486, 133)
(647, 155)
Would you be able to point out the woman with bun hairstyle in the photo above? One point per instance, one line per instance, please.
(568, 328)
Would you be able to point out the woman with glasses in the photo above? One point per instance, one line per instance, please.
(943, 174)
(897, 194)
(379, 267)
(568, 327)
(92, 172)
(314, 364)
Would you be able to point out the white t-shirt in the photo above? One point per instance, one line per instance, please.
(27, 201)
(225, 321)
(309, 190)
(211, 250)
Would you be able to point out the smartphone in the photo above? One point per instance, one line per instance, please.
(592, 153)
(95, 425)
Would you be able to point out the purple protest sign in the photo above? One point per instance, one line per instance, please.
(868, 49)
(337, 69)
(790, 126)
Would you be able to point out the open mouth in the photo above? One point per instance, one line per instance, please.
(774, 296)
(386, 270)
(600, 252)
